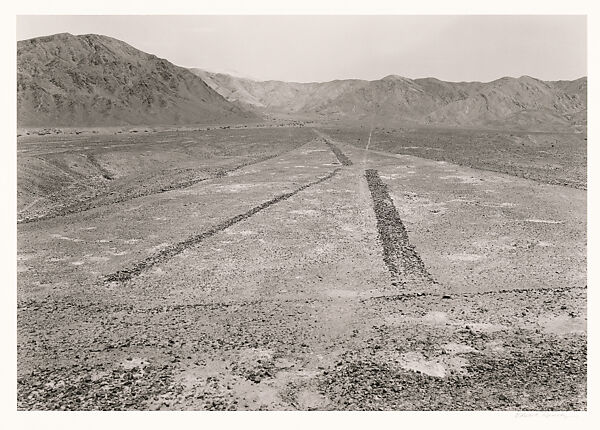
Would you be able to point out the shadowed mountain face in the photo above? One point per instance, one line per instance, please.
(521, 103)
(92, 80)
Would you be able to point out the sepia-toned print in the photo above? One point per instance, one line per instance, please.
(302, 213)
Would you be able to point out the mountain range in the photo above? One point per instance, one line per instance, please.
(523, 102)
(93, 80)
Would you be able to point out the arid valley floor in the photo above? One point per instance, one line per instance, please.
(311, 268)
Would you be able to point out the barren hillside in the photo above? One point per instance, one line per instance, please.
(523, 102)
(97, 80)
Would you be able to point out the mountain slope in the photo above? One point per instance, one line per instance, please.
(66, 80)
(522, 102)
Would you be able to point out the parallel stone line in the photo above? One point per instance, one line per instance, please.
(342, 158)
(86, 206)
(399, 255)
(173, 250)
(392, 297)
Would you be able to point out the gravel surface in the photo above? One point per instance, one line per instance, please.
(173, 250)
(61, 175)
(294, 306)
(549, 158)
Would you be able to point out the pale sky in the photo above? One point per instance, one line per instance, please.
(323, 48)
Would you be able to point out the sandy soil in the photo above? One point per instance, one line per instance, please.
(283, 286)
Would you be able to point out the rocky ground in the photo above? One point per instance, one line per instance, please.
(60, 173)
(546, 157)
(327, 277)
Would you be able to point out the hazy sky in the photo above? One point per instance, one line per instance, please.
(321, 48)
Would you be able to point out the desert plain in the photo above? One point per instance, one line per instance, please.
(286, 267)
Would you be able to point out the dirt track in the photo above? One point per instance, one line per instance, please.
(294, 306)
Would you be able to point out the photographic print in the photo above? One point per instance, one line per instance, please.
(301, 212)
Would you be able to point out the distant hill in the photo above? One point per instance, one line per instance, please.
(92, 80)
(524, 102)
